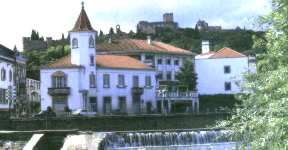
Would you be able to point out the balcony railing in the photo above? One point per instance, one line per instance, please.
(59, 91)
(177, 95)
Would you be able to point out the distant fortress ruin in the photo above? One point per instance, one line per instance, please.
(150, 27)
(41, 44)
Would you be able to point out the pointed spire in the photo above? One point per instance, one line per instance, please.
(82, 23)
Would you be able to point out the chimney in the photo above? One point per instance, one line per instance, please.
(149, 39)
(205, 46)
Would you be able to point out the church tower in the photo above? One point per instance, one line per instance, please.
(83, 47)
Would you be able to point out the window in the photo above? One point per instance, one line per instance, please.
(93, 104)
(160, 76)
(59, 80)
(3, 96)
(106, 81)
(168, 61)
(122, 104)
(3, 74)
(159, 61)
(107, 105)
(176, 62)
(74, 43)
(227, 69)
(169, 75)
(91, 60)
(10, 76)
(148, 81)
(227, 86)
(91, 42)
(121, 80)
(135, 81)
(92, 80)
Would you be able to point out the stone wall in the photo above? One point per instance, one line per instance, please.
(117, 123)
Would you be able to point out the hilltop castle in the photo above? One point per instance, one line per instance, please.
(150, 27)
(40, 44)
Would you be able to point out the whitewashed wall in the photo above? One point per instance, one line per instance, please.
(211, 77)
(114, 92)
(73, 81)
(5, 84)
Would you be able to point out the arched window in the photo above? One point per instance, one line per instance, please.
(59, 79)
(74, 43)
(91, 42)
(10, 75)
(92, 79)
(3, 74)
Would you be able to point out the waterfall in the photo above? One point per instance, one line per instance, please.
(84, 141)
(163, 138)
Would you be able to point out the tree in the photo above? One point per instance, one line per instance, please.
(187, 75)
(101, 33)
(111, 31)
(261, 120)
(34, 35)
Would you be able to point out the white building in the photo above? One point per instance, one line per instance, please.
(7, 86)
(221, 72)
(165, 58)
(97, 83)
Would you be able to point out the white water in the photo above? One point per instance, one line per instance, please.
(208, 146)
(33, 141)
(83, 141)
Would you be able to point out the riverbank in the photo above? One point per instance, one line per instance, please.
(116, 123)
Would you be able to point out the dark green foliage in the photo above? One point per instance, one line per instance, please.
(211, 103)
(187, 75)
(35, 35)
(35, 59)
(111, 31)
(190, 39)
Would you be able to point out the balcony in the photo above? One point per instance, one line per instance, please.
(190, 95)
(137, 90)
(59, 91)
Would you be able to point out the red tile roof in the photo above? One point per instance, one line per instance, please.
(105, 61)
(82, 23)
(114, 61)
(133, 45)
(227, 53)
(222, 53)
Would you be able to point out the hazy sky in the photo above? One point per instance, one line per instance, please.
(53, 17)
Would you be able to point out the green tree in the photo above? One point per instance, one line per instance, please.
(187, 76)
(111, 31)
(262, 119)
(101, 34)
(34, 35)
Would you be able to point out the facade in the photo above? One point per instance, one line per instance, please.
(221, 72)
(150, 27)
(98, 83)
(7, 86)
(164, 58)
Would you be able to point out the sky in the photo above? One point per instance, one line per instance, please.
(51, 18)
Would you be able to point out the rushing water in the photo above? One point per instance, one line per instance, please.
(180, 140)
(12, 145)
(143, 140)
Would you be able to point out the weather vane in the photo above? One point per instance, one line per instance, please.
(82, 3)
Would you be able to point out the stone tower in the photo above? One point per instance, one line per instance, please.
(168, 17)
